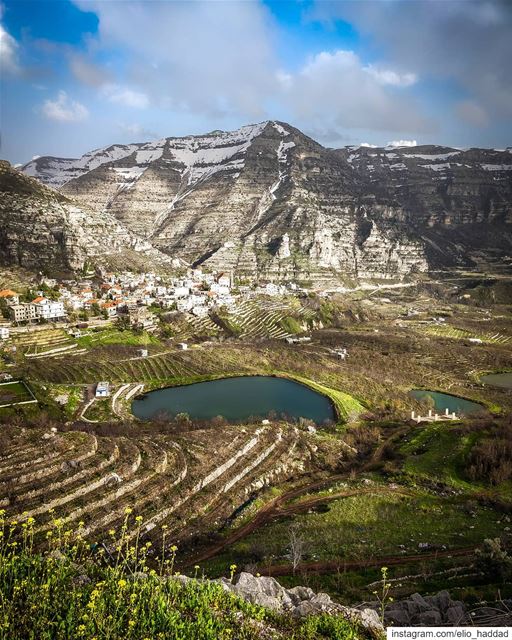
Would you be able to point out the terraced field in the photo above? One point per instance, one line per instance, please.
(448, 331)
(264, 318)
(42, 343)
(87, 481)
(91, 367)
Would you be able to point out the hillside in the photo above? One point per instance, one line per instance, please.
(267, 200)
(41, 230)
(73, 592)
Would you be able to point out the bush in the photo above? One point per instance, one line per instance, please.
(490, 459)
(494, 561)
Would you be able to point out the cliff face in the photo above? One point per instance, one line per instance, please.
(267, 200)
(40, 229)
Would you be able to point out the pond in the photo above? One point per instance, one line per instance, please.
(443, 401)
(498, 379)
(237, 399)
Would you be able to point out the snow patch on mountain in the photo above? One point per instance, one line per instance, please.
(204, 156)
(497, 167)
(432, 156)
(55, 172)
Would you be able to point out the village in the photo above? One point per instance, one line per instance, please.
(107, 296)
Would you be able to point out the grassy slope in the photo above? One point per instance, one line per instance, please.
(70, 595)
(345, 404)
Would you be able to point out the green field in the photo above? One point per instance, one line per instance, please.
(14, 393)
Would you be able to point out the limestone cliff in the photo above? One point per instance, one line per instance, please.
(267, 200)
(40, 229)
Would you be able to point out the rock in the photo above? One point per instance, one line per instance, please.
(430, 618)
(418, 604)
(264, 591)
(442, 601)
(455, 615)
(397, 617)
(299, 594)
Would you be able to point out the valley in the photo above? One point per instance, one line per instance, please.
(367, 489)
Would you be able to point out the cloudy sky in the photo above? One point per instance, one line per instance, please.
(81, 74)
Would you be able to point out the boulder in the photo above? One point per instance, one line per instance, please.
(430, 618)
(397, 617)
(299, 594)
(442, 601)
(264, 591)
(455, 614)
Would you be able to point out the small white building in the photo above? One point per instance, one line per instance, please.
(181, 292)
(183, 346)
(4, 333)
(200, 311)
(102, 390)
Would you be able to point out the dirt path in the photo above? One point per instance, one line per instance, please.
(279, 507)
(342, 565)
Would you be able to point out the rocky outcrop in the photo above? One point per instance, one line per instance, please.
(298, 601)
(267, 200)
(40, 229)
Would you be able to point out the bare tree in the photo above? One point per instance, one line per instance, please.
(296, 546)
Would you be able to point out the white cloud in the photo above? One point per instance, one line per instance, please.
(390, 77)
(210, 58)
(8, 53)
(64, 109)
(87, 72)
(468, 43)
(126, 97)
(137, 130)
(368, 144)
(402, 143)
(336, 90)
(35, 157)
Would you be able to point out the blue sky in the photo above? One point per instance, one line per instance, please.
(82, 74)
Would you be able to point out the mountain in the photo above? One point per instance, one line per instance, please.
(268, 200)
(42, 230)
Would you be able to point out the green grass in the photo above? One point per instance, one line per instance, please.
(370, 525)
(116, 336)
(346, 405)
(14, 392)
(99, 410)
(73, 393)
(290, 325)
(71, 594)
(437, 452)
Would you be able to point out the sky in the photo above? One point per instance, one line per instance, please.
(76, 75)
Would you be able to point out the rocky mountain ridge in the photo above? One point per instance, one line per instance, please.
(267, 200)
(41, 230)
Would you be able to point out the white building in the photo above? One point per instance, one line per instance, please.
(200, 311)
(102, 389)
(4, 333)
(181, 292)
(48, 309)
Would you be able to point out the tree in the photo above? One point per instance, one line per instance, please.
(4, 308)
(123, 322)
(95, 309)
